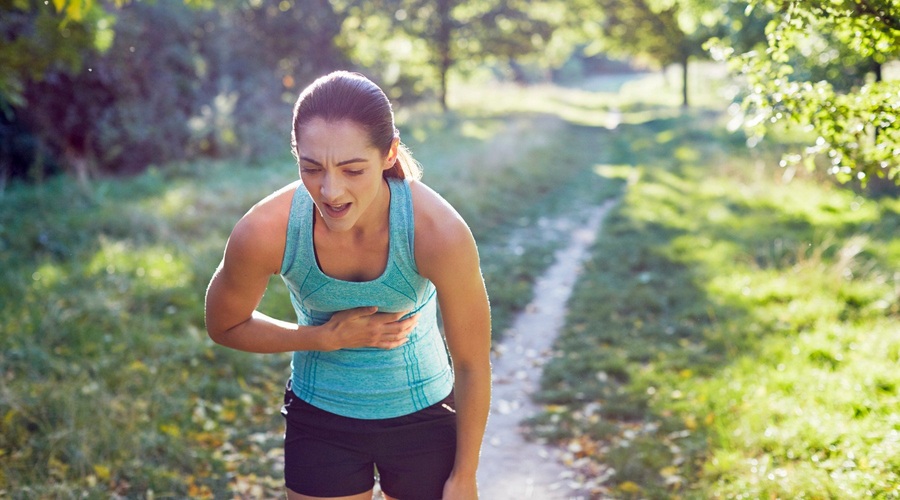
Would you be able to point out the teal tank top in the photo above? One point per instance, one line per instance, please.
(366, 383)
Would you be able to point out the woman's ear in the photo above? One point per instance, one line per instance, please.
(393, 153)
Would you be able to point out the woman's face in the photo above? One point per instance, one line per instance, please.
(342, 171)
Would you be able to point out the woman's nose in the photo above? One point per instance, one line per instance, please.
(332, 187)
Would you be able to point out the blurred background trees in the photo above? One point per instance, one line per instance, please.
(411, 45)
(659, 33)
(96, 88)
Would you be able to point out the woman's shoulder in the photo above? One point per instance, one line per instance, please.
(260, 234)
(441, 231)
(433, 213)
(274, 209)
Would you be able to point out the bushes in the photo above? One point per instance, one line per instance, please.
(175, 83)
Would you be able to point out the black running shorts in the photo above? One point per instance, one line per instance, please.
(328, 455)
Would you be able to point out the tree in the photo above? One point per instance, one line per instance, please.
(256, 57)
(125, 107)
(415, 43)
(821, 71)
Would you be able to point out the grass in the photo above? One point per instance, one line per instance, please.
(110, 385)
(735, 335)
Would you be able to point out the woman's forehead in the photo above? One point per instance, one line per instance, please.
(322, 126)
(333, 136)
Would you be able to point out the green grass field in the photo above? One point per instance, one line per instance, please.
(734, 334)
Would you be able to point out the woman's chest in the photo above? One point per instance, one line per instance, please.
(358, 260)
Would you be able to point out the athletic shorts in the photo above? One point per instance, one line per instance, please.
(328, 455)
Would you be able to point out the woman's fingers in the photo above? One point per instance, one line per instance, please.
(366, 327)
(396, 330)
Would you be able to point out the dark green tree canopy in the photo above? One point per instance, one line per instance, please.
(114, 88)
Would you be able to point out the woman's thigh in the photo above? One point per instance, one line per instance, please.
(321, 458)
(415, 459)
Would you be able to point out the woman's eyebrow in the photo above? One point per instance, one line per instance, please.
(340, 164)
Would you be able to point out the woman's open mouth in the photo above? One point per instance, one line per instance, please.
(336, 211)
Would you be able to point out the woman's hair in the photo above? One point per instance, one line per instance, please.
(343, 95)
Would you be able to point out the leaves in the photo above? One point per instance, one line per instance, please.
(94, 88)
(813, 76)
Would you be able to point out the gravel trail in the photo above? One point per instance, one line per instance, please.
(511, 467)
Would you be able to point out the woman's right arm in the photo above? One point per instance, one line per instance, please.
(238, 285)
(252, 255)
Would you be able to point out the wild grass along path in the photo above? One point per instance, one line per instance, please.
(512, 467)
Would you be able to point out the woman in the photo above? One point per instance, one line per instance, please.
(368, 253)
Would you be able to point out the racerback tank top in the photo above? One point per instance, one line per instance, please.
(366, 383)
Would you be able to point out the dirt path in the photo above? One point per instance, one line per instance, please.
(511, 467)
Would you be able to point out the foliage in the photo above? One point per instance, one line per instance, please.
(821, 72)
(172, 81)
(651, 33)
(39, 37)
(129, 106)
(734, 334)
(256, 59)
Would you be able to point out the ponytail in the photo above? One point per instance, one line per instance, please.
(405, 167)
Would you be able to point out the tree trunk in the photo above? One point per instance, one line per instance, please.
(445, 58)
(4, 175)
(876, 68)
(79, 165)
(442, 92)
(684, 82)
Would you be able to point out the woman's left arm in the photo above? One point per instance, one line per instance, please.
(446, 254)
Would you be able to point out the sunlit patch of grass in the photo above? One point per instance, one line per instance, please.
(153, 267)
(623, 172)
(822, 408)
(747, 324)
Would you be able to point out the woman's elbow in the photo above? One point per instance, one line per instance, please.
(216, 329)
(216, 334)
